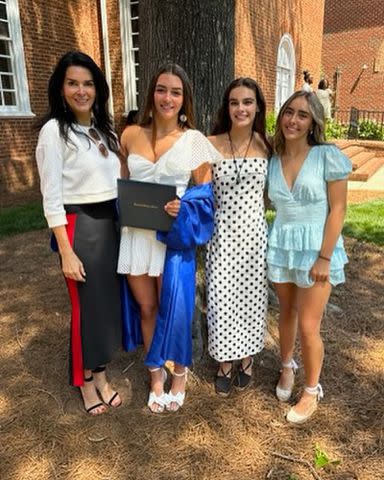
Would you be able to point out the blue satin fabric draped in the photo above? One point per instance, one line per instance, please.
(172, 339)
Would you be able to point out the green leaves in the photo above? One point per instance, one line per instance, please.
(322, 460)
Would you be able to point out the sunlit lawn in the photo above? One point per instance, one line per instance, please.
(364, 221)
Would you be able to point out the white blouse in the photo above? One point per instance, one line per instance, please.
(73, 173)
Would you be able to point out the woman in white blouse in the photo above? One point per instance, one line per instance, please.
(77, 158)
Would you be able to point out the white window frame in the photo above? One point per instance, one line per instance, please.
(22, 107)
(128, 51)
(286, 47)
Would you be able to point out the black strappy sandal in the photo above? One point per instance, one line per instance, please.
(93, 407)
(114, 394)
(223, 383)
(242, 379)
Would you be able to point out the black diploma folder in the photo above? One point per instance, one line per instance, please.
(141, 204)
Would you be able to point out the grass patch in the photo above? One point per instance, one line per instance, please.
(21, 219)
(365, 221)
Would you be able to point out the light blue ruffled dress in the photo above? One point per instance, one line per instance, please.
(296, 234)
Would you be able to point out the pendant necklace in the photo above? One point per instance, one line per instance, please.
(239, 168)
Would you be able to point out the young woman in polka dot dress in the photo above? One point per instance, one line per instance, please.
(237, 292)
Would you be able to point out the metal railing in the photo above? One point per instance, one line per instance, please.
(354, 117)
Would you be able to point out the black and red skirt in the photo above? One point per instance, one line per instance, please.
(96, 306)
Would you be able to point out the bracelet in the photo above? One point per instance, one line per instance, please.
(325, 258)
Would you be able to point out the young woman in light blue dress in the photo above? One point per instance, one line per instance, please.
(307, 181)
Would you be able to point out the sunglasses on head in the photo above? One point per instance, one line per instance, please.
(94, 134)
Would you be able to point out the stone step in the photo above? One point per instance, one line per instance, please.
(351, 150)
(342, 143)
(361, 158)
(367, 169)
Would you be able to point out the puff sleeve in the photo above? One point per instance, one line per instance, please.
(337, 165)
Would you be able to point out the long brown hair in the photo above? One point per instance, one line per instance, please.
(187, 107)
(223, 122)
(316, 136)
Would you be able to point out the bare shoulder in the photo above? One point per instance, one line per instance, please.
(130, 133)
(218, 141)
(261, 144)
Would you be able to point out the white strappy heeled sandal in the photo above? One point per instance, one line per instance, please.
(177, 399)
(160, 400)
(285, 394)
(297, 418)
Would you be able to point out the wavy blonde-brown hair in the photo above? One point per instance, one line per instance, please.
(316, 136)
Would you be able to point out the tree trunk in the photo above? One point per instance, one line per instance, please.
(196, 34)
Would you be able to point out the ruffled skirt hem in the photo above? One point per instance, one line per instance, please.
(277, 274)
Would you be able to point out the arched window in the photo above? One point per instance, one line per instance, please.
(285, 70)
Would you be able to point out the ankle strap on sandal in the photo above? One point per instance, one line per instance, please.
(318, 391)
(99, 369)
(291, 364)
(180, 374)
(156, 369)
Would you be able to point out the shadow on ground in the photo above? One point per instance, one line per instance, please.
(46, 434)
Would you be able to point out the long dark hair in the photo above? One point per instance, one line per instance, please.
(223, 122)
(187, 107)
(308, 77)
(61, 111)
(317, 134)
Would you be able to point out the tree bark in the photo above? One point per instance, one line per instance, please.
(196, 34)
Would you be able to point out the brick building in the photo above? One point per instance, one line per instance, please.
(274, 42)
(353, 52)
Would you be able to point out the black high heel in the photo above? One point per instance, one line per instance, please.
(93, 407)
(108, 402)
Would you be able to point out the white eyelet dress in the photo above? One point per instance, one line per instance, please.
(140, 252)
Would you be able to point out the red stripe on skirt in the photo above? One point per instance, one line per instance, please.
(76, 348)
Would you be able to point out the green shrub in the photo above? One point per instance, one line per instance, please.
(270, 123)
(335, 130)
(371, 130)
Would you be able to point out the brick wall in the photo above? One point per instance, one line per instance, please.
(353, 37)
(259, 28)
(115, 54)
(260, 25)
(48, 32)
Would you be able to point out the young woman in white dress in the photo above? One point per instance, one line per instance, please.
(162, 148)
(237, 291)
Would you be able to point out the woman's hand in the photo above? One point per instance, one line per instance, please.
(320, 270)
(173, 207)
(72, 266)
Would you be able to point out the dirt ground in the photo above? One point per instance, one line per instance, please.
(45, 434)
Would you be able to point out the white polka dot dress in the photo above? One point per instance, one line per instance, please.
(237, 290)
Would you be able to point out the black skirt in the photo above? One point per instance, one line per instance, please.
(96, 306)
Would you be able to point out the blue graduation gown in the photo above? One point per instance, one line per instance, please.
(172, 339)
